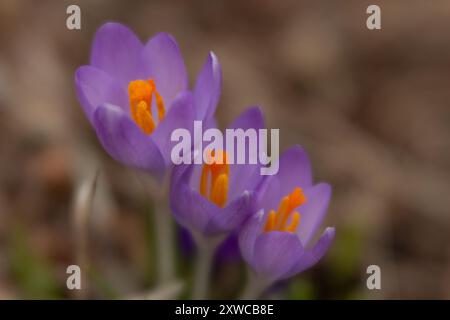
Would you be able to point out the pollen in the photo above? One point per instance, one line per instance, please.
(141, 94)
(278, 220)
(214, 179)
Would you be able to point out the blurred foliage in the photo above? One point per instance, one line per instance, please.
(151, 247)
(103, 285)
(34, 275)
(302, 289)
(345, 257)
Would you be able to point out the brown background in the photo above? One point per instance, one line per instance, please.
(371, 107)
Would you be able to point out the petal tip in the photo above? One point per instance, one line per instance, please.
(164, 36)
(215, 66)
(330, 233)
(112, 26)
(298, 150)
(257, 114)
(325, 188)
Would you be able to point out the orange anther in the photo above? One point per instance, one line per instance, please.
(276, 221)
(140, 93)
(218, 172)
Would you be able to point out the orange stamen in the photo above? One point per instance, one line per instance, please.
(160, 106)
(294, 222)
(220, 190)
(140, 93)
(218, 170)
(277, 221)
(270, 225)
(283, 212)
(144, 118)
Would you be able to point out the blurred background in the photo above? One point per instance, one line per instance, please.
(372, 108)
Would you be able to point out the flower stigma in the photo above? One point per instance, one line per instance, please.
(277, 221)
(141, 94)
(215, 174)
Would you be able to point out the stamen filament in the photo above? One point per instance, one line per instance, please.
(270, 225)
(204, 181)
(294, 222)
(283, 213)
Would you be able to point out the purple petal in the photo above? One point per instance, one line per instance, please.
(116, 50)
(179, 173)
(252, 117)
(190, 209)
(95, 87)
(124, 141)
(295, 171)
(207, 88)
(312, 256)
(181, 115)
(162, 61)
(231, 216)
(247, 236)
(187, 244)
(313, 211)
(228, 250)
(245, 176)
(275, 253)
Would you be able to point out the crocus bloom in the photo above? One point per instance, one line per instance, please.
(275, 241)
(215, 198)
(135, 95)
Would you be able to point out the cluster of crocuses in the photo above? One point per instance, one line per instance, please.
(136, 94)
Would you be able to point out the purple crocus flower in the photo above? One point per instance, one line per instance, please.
(274, 241)
(213, 199)
(135, 95)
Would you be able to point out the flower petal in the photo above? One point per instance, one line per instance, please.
(228, 250)
(95, 87)
(181, 115)
(179, 174)
(124, 141)
(231, 216)
(190, 209)
(162, 61)
(246, 176)
(276, 252)
(252, 117)
(312, 256)
(207, 88)
(294, 171)
(116, 50)
(248, 234)
(313, 211)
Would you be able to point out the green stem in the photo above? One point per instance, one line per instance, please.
(163, 227)
(206, 247)
(203, 271)
(164, 233)
(254, 288)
